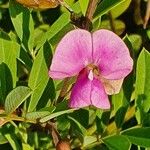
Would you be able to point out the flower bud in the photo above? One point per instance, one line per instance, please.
(63, 145)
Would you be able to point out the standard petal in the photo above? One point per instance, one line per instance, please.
(88, 92)
(72, 54)
(111, 55)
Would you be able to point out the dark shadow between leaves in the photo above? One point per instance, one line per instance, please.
(6, 82)
(49, 92)
(47, 53)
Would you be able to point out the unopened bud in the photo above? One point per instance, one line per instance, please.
(63, 145)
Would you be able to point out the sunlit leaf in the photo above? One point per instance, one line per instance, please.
(27, 147)
(13, 141)
(40, 114)
(3, 140)
(56, 114)
(62, 21)
(9, 52)
(23, 24)
(136, 41)
(119, 9)
(142, 86)
(39, 78)
(16, 97)
(58, 26)
(105, 6)
(89, 140)
(84, 5)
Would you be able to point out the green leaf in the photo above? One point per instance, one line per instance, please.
(118, 24)
(123, 98)
(76, 8)
(13, 141)
(148, 33)
(9, 51)
(40, 114)
(118, 100)
(80, 127)
(27, 147)
(56, 114)
(63, 123)
(105, 6)
(59, 24)
(117, 142)
(62, 22)
(55, 39)
(38, 32)
(119, 9)
(16, 97)
(142, 86)
(89, 140)
(84, 5)
(39, 78)
(23, 24)
(3, 140)
(136, 41)
(138, 136)
(25, 59)
(49, 96)
(4, 35)
(119, 117)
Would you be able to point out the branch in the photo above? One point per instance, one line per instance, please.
(147, 15)
(89, 13)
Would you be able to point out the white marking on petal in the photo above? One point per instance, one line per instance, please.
(91, 76)
(86, 63)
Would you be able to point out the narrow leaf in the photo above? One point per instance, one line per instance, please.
(23, 24)
(142, 86)
(84, 5)
(16, 97)
(56, 114)
(105, 6)
(40, 113)
(39, 78)
(3, 140)
(119, 9)
(62, 21)
(80, 127)
(58, 26)
(13, 141)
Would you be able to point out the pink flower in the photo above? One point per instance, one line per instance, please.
(100, 59)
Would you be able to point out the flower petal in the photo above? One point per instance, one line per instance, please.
(88, 92)
(111, 55)
(112, 86)
(72, 54)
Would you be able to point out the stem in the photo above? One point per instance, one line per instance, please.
(64, 90)
(91, 9)
(89, 13)
(137, 12)
(147, 15)
(112, 23)
(54, 133)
